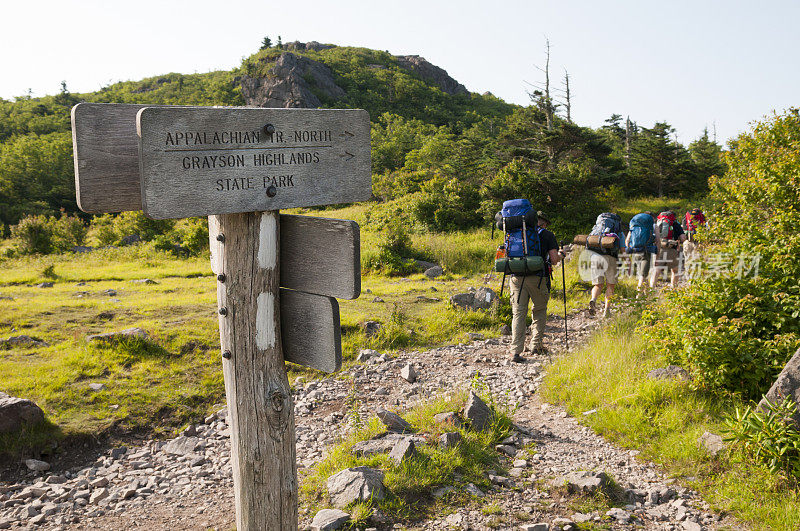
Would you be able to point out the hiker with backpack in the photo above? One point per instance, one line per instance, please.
(672, 237)
(528, 255)
(603, 258)
(693, 219)
(642, 245)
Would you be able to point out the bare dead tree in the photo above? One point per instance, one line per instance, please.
(568, 102)
(628, 135)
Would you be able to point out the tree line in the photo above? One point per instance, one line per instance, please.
(447, 161)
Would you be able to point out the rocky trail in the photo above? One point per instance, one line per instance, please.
(185, 483)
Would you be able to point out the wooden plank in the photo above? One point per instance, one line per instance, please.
(197, 161)
(260, 406)
(310, 326)
(321, 255)
(311, 330)
(106, 154)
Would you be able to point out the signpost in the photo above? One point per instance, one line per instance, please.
(277, 275)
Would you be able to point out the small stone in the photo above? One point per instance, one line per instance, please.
(520, 463)
(506, 449)
(111, 337)
(45, 285)
(441, 492)
(329, 519)
(377, 299)
(449, 440)
(688, 525)
(371, 328)
(404, 449)
(475, 491)
(620, 515)
(435, 271)
(182, 445)
(474, 336)
(478, 413)
(366, 353)
(36, 465)
(712, 443)
(97, 386)
(55, 480)
(447, 418)
(541, 526)
(99, 494)
(408, 373)
(143, 281)
(356, 485)
(393, 421)
(505, 330)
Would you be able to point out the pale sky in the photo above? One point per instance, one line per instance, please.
(691, 63)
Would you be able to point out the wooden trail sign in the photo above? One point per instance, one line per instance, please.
(196, 161)
(261, 325)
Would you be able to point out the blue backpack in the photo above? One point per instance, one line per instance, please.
(642, 237)
(522, 248)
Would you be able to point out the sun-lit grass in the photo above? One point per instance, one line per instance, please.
(664, 419)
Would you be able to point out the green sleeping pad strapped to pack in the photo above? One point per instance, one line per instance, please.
(519, 266)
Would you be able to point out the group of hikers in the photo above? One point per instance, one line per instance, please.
(654, 245)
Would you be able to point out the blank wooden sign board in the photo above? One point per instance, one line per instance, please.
(277, 275)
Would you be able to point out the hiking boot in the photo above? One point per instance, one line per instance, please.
(516, 358)
(592, 308)
(540, 351)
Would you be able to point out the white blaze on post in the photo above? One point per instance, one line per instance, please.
(265, 321)
(268, 241)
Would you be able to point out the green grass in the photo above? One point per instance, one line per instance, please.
(410, 484)
(664, 420)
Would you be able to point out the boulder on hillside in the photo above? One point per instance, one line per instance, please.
(786, 385)
(289, 84)
(435, 271)
(393, 421)
(14, 412)
(584, 482)
(329, 519)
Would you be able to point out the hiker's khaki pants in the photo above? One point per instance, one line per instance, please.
(535, 291)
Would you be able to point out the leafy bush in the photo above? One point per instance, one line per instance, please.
(394, 251)
(33, 235)
(44, 234)
(734, 331)
(769, 437)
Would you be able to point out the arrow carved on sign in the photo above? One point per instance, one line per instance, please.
(347, 134)
(347, 155)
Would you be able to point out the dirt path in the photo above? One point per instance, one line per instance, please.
(151, 487)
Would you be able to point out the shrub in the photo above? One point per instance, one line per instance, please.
(769, 437)
(735, 331)
(394, 251)
(33, 235)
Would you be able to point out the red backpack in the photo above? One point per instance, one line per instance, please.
(664, 223)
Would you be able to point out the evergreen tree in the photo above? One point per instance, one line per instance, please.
(706, 155)
(280, 43)
(266, 43)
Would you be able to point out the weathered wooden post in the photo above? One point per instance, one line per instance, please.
(239, 166)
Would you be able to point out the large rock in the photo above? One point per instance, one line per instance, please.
(355, 485)
(435, 271)
(404, 449)
(478, 413)
(787, 385)
(712, 442)
(329, 519)
(431, 73)
(289, 84)
(14, 412)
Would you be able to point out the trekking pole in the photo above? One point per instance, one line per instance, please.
(564, 288)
